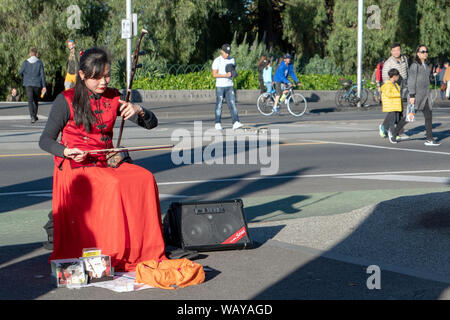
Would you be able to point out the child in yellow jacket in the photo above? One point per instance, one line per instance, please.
(392, 104)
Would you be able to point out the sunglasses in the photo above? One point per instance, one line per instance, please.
(424, 51)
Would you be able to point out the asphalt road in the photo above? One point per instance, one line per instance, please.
(338, 199)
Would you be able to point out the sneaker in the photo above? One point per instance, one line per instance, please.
(432, 143)
(402, 137)
(237, 125)
(382, 132)
(276, 111)
(392, 139)
(218, 126)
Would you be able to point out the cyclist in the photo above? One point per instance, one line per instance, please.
(284, 70)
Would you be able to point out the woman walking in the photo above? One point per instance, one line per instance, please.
(419, 90)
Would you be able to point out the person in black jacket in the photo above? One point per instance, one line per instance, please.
(32, 73)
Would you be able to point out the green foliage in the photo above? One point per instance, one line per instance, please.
(190, 81)
(318, 65)
(245, 55)
(306, 26)
(247, 79)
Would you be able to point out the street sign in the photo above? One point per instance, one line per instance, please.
(126, 29)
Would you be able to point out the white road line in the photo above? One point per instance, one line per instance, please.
(381, 147)
(402, 178)
(329, 175)
(24, 117)
(48, 194)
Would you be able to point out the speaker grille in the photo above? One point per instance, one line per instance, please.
(210, 225)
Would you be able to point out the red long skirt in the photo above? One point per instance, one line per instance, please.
(115, 210)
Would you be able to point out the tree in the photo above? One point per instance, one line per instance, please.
(306, 26)
(434, 26)
(44, 25)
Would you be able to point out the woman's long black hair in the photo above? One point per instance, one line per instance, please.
(92, 63)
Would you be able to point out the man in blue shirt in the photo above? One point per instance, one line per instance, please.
(284, 70)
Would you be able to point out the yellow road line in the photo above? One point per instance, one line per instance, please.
(47, 154)
(24, 155)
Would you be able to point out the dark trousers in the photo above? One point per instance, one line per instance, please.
(399, 118)
(428, 114)
(261, 85)
(391, 119)
(33, 101)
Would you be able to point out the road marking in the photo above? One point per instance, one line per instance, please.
(380, 147)
(402, 178)
(47, 154)
(301, 143)
(330, 175)
(24, 155)
(21, 117)
(48, 194)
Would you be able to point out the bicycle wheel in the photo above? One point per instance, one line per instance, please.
(353, 96)
(297, 104)
(340, 98)
(265, 104)
(376, 95)
(364, 95)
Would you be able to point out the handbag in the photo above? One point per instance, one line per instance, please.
(410, 113)
(166, 274)
(444, 86)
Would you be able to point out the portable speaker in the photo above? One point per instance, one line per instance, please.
(207, 225)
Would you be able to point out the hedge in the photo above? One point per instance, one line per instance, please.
(246, 80)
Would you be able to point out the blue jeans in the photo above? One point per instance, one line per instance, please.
(227, 93)
(268, 86)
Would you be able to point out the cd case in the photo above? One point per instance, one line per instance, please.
(79, 272)
(68, 273)
(98, 268)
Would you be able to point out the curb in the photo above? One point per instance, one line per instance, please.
(209, 96)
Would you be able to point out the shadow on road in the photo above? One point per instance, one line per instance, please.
(407, 237)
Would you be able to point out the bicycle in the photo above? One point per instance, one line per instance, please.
(376, 95)
(348, 94)
(295, 102)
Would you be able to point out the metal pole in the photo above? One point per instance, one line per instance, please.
(360, 47)
(129, 43)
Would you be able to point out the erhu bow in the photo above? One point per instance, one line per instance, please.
(115, 158)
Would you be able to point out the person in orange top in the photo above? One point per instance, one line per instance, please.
(114, 209)
(446, 80)
(392, 104)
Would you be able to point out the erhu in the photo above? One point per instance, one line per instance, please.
(116, 157)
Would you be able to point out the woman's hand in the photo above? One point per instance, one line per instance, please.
(75, 154)
(127, 109)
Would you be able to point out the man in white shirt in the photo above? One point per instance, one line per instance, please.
(224, 86)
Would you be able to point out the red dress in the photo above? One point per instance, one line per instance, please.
(114, 209)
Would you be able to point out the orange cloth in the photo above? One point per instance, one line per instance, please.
(165, 274)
